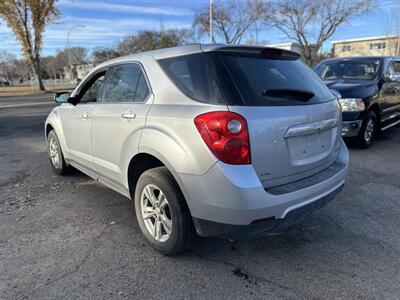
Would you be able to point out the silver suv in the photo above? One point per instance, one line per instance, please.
(226, 141)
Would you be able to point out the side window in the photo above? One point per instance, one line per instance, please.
(389, 69)
(396, 67)
(126, 83)
(93, 90)
(192, 76)
(142, 90)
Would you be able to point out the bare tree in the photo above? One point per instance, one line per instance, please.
(28, 20)
(7, 67)
(102, 54)
(231, 19)
(50, 67)
(79, 55)
(151, 40)
(391, 27)
(13, 70)
(312, 22)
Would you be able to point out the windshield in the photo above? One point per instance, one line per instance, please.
(263, 81)
(356, 69)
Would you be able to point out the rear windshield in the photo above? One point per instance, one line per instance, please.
(263, 82)
(193, 76)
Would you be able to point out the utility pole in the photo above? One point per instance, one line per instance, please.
(211, 22)
(71, 73)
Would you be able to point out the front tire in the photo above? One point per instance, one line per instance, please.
(368, 131)
(57, 160)
(162, 213)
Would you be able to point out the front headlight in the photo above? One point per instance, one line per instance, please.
(352, 104)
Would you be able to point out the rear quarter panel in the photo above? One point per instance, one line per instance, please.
(171, 135)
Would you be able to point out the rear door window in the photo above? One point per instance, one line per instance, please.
(264, 82)
(193, 77)
(126, 83)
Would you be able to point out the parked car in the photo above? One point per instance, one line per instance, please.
(222, 141)
(4, 82)
(370, 89)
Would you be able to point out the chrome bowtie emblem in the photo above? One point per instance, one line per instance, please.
(310, 128)
(320, 126)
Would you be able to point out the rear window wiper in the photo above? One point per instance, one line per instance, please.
(301, 95)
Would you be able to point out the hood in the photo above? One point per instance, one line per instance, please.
(353, 88)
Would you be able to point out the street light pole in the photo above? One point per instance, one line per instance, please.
(211, 22)
(1, 40)
(69, 50)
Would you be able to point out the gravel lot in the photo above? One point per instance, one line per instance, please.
(70, 237)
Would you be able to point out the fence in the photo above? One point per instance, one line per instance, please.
(30, 86)
(48, 83)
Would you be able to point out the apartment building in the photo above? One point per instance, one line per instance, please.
(371, 46)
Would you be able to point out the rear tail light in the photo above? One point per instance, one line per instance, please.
(225, 133)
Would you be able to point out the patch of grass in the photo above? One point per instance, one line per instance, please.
(26, 90)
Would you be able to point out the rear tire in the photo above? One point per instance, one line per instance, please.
(57, 160)
(162, 212)
(368, 131)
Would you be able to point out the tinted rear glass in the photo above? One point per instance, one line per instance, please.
(192, 75)
(264, 82)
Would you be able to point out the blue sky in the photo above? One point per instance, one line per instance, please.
(106, 22)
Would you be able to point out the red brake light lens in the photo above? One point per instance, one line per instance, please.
(226, 135)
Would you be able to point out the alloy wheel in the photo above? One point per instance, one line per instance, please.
(53, 149)
(369, 130)
(156, 213)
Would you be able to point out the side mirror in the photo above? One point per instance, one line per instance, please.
(73, 100)
(61, 97)
(336, 94)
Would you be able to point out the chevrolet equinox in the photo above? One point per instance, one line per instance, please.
(213, 140)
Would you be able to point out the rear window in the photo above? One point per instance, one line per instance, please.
(193, 77)
(263, 82)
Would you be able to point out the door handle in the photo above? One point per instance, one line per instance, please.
(85, 115)
(128, 115)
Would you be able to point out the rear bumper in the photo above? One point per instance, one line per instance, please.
(234, 196)
(207, 228)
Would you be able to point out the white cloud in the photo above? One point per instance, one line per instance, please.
(386, 4)
(104, 30)
(153, 10)
(97, 32)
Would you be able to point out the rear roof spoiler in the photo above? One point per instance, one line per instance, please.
(262, 52)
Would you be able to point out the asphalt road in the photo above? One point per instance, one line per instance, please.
(27, 100)
(70, 237)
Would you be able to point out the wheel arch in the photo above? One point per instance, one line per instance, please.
(144, 161)
(138, 164)
(53, 123)
(375, 108)
(48, 128)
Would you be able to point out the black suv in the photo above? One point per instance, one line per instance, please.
(370, 90)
